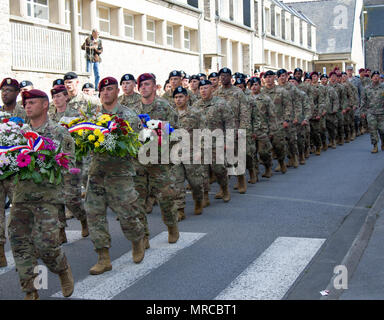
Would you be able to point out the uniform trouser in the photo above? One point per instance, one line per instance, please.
(179, 174)
(118, 193)
(34, 227)
(84, 166)
(6, 187)
(376, 124)
(195, 175)
(323, 130)
(331, 121)
(301, 136)
(340, 124)
(251, 157)
(364, 123)
(264, 149)
(291, 134)
(279, 144)
(72, 196)
(308, 137)
(158, 178)
(315, 132)
(347, 123)
(357, 120)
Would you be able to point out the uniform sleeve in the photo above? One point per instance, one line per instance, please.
(260, 124)
(335, 99)
(245, 112)
(287, 105)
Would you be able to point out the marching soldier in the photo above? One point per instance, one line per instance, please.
(33, 225)
(111, 185)
(129, 96)
(214, 78)
(9, 93)
(194, 81)
(88, 89)
(175, 81)
(352, 99)
(373, 110)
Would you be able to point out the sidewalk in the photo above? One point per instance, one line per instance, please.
(367, 282)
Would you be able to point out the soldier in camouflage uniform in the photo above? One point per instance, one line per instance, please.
(77, 101)
(365, 81)
(129, 96)
(194, 81)
(307, 89)
(356, 82)
(373, 110)
(190, 119)
(319, 100)
(296, 99)
(343, 104)
(73, 186)
(352, 99)
(33, 227)
(158, 177)
(304, 114)
(88, 89)
(175, 81)
(218, 115)
(237, 101)
(111, 185)
(214, 78)
(9, 93)
(332, 108)
(284, 111)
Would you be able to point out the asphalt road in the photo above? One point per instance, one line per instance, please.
(280, 240)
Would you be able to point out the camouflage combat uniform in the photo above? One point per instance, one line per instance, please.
(319, 100)
(6, 185)
(34, 221)
(349, 117)
(340, 115)
(169, 97)
(111, 185)
(373, 107)
(125, 100)
(159, 178)
(304, 114)
(332, 108)
(307, 89)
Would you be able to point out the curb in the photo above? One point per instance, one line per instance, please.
(355, 252)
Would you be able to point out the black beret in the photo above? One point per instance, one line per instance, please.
(280, 72)
(213, 75)
(70, 76)
(240, 81)
(225, 70)
(298, 69)
(269, 73)
(180, 90)
(292, 78)
(306, 76)
(127, 77)
(194, 77)
(323, 76)
(174, 73)
(57, 82)
(25, 83)
(88, 86)
(254, 80)
(204, 83)
(375, 72)
(201, 75)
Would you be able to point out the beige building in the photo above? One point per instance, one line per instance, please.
(41, 39)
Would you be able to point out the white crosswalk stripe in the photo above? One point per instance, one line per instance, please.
(72, 236)
(125, 272)
(271, 275)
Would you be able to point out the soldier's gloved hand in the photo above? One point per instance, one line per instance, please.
(304, 123)
(285, 124)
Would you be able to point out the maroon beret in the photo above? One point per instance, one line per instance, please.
(361, 70)
(57, 89)
(332, 73)
(312, 73)
(108, 81)
(34, 93)
(144, 77)
(10, 82)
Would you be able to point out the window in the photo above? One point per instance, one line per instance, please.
(273, 20)
(267, 20)
(170, 36)
(38, 9)
(283, 33)
(287, 29)
(151, 33)
(256, 17)
(278, 20)
(301, 32)
(231, 10)
(68, 12)
(207, 9)
(309, 30)
(292, 28)
(104, 16)
(187, 39)
(129, 25)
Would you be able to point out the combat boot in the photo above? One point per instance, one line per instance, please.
(32, 296)
(84, 228)
(333, 146)
(67, 283)
(295, 161)
(63, 236)
(198, 207)
(206, 202)
(306, 154)
(173, 234)
(268, 172)
(353, 135)
(138, 250)
(325, 146)
(283, 167)
(318, 151)
(347, 139)
(242, 184)
(252, 176)
(302, 159)
(146, 242)
(103, 264)
(341, 142)
(3, 259)
(375, 149)
(68, 214)
(180, 214)
(219, 195)
(212, 178)
(226, 194)
(278, 167)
